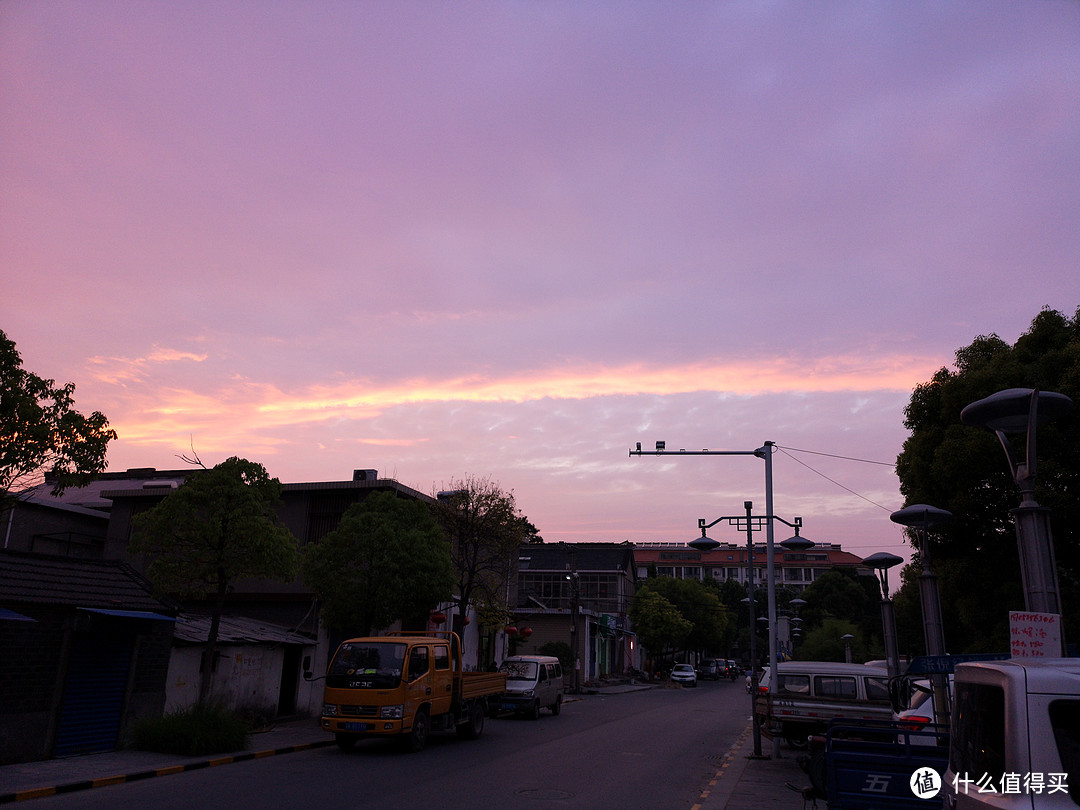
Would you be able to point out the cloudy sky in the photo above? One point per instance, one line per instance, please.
(511, 239)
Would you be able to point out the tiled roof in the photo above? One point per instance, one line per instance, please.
(194, 629)
(27, 578)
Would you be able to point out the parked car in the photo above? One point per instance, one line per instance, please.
(1016, 724)
(808, 694)
(920, 714)
(709, 669)
(684, 674)
(532, 681)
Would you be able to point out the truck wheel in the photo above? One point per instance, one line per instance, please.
(417, 738)
(474, 726)
(796, 738)
(345, 741)
(556, 707)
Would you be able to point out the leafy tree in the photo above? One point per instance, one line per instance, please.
(217, 528)
(387, 560)
(658, 622)
(825, 642)
(712, 625)
(963, 469)
(485, 530)
(41, 432)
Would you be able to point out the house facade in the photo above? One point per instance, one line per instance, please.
(578, 594)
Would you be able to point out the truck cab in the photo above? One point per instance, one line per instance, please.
(404, 685)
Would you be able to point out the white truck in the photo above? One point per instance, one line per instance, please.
(1015, 739)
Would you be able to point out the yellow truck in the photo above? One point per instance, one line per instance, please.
(405, 685)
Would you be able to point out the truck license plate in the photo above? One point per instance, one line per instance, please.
(357, 726)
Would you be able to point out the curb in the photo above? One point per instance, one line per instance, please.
(86, 784)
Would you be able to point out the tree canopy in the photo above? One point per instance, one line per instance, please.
(962, 469)
(485, 529)
(220, 526)
(387, 560)
(41, 432)
(659, 624)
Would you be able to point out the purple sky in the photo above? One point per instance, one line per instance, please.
(511, 239)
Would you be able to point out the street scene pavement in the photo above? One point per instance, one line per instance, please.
(741, 782)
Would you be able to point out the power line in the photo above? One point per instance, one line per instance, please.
(833, 455)
(830, 480)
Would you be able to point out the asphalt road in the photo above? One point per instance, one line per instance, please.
(649, 749)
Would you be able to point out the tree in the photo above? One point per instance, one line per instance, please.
(41, 432)
(485, 530)
(387, 560)
(658, 623)
(711, 625)
(217, 528)
(963, 469)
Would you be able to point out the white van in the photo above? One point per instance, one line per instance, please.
(809, 694)
(532, 682)
(1015, 739)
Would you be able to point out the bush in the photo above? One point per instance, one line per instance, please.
(560, 650)
(194, 731)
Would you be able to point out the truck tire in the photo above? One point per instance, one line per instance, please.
(556, 707)
(796, 737)
(417, 738)
(474, 726)
(345, 741)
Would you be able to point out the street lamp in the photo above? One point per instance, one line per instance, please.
(922, 518)
(1021, 410)
(881, 563)
(750, 523)
(847, 638)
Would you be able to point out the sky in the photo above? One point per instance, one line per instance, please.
(509, 240)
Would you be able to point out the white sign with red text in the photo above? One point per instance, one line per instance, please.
(1034, 635)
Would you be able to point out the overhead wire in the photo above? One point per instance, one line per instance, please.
(785, 450)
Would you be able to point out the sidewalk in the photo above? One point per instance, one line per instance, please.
(740, 783)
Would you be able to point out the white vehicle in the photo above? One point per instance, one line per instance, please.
(684, 674)
(1016, 731)
(532, 682)
(808, 694)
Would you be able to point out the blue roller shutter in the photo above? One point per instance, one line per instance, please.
(93, 702)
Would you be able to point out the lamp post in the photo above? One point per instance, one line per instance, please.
(881, 563)
(1021, 410)
(847, 638)
(922, 519)
(750, 523)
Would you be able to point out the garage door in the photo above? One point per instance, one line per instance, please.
(93, 702)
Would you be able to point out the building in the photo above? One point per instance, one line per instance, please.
(579, 594)
(793, 570)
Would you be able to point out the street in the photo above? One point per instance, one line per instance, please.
(647, 749)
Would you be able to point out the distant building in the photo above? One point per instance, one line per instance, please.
(793, 570)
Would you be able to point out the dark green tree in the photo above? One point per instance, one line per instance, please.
(963, 469)
(41, 432)
(658, 623)
(219, 527)
(387, 560)
(712, 626)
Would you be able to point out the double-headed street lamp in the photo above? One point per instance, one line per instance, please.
(750, 523)
(881, 563)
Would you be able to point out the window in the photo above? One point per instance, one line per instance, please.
(418, 663)
(1065, 720)
(978, 738)
(793, 684)
(442, 658)
(877, 689)
(835, 686)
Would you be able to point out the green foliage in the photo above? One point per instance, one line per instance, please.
(658, 622)
(198, 730)
(712, 625)
(560, 650)
(963, 470)
(387, 560)
(217, 528)
(825, 643)
(41, 432)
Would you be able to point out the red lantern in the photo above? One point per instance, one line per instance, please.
(511, 631)
(437, 618)
(526, 632)
(465, 620)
